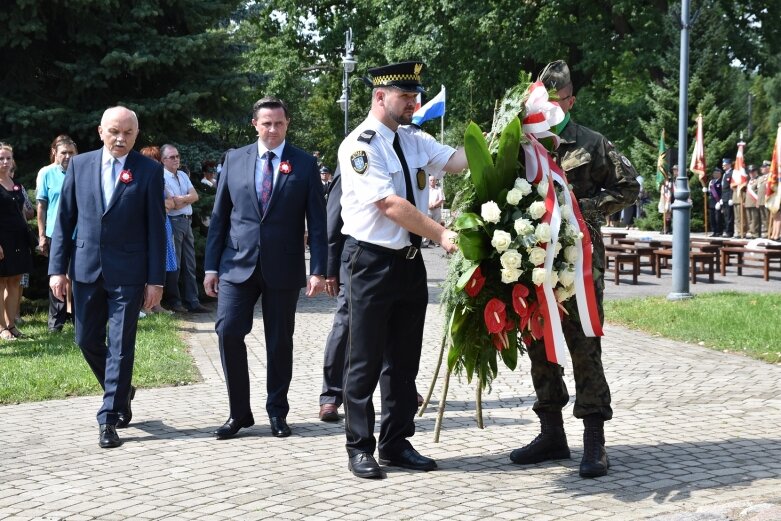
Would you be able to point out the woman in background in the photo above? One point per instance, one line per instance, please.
(15, 252)
(153, 152)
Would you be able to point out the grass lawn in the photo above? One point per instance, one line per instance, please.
(746, 323)
(46, 366)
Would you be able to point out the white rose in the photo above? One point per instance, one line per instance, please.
(542, 189)
(511, 259)
(523, 227)
(542, 232)
(537, 209)
(554, 278)
(539, 275)
(566, 212)
(490, 212)
(523, 185)
(501, 240)
(510, 275)
(557, 249)
(536, 256)
(571, 254)
(567, 276)
(514, 197)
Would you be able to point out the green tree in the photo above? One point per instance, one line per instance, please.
(64, 62)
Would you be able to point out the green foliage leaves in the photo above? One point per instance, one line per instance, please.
(507, 156)
(481, 166)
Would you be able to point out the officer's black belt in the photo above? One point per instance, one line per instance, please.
(182, 216)
(408, 252)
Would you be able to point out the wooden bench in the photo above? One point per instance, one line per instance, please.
(613, 236)
(700, 263)
(622, 259)
(750, 258)
(642, 249)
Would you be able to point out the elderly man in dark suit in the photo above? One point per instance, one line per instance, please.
(254, 250)
(110, 238)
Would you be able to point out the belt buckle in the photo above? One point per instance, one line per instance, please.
(411, 253)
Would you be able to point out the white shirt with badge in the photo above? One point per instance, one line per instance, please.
(371, 171)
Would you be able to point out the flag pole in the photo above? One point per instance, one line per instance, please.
(442, 123)
(707, 195)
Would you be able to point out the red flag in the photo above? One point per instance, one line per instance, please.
(772, 192)
(739, 176)
(698, 156)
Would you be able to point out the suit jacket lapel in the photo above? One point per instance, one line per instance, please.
(251, 160)
(96, 187)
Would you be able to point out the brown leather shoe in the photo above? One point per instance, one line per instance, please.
(329, 412)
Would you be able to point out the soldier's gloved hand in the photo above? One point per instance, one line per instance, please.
(704, 190)
(730, 202)
(718, 205)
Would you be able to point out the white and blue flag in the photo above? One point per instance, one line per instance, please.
(435, 108)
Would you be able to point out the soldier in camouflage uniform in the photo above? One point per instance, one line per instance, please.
(604, 182)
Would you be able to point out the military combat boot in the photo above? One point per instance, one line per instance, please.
(550, 444)
(595, 461)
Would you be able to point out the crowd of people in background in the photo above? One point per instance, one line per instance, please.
(740, 211)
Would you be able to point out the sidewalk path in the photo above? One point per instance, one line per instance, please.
(696, 436)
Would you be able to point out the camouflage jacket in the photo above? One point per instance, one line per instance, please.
(603, 180)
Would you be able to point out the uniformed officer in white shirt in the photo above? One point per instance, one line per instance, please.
(385, 164)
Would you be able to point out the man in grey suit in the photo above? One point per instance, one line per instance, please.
(110, 238)
(255, 249)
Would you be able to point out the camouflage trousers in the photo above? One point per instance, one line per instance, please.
(592, 394)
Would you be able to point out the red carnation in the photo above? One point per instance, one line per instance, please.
(285, 167)
(126, 176)
(475, 284)
(519, 302)
(495, 315)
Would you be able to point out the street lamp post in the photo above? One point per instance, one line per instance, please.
(348, 64)
(681, 207)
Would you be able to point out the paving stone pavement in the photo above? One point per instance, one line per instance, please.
(696, 437)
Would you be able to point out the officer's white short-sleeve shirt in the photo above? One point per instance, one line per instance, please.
(371, 171)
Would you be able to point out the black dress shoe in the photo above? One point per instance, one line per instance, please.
(363, 465)
(232, 426)
(409, 458)
(198, 309)
(329, 412)
(279, 427)
(109, 437)
(124, 417)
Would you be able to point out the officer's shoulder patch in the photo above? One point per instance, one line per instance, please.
(359, 160)
(366, 136)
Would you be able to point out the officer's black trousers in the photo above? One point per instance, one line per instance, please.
(387, 297)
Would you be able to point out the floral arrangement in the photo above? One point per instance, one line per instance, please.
(523, 250)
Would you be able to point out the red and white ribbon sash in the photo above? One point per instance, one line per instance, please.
(541, 115)
(751, 192)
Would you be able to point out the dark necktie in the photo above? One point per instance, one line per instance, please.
(267, 183)
(414, 238)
